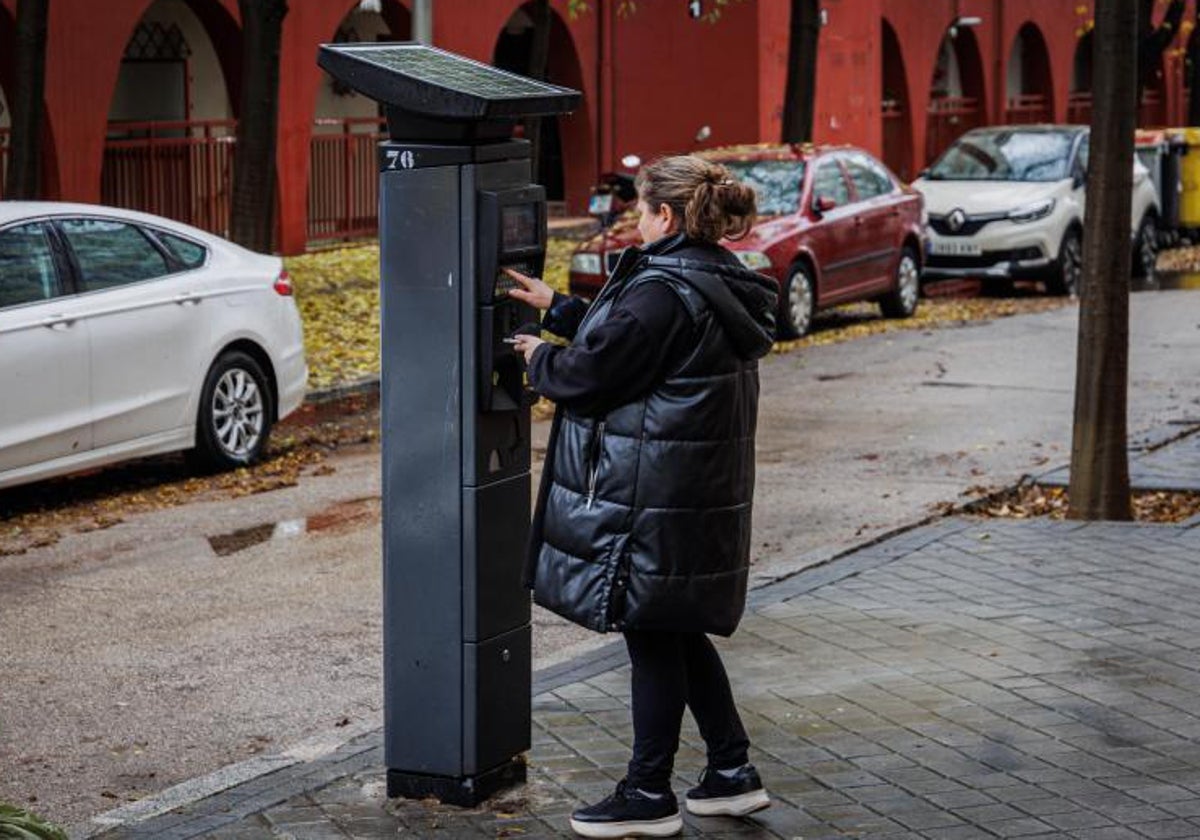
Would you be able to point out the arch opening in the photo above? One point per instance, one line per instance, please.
(343, 178)
(1029, 86)
(1079, 105)
(956, 95)
(895, 109)
(514, 52)
(168, 148)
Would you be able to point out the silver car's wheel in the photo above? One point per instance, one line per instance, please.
(901, 301)
(798, 302)
(235, 413)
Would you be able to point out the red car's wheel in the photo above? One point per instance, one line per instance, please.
(901, 301)
(796, 304)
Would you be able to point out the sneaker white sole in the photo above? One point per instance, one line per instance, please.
(664, 827)
(730, 806)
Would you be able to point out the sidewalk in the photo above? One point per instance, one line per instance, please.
(967, 679)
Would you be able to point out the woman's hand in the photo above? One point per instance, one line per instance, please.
(531, 290)
(526, 344)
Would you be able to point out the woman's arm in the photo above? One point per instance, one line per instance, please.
(643, 338)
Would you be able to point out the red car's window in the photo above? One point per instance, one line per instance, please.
(828, 181)
(869, 179)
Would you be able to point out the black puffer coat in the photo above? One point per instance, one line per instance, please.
(643, 516)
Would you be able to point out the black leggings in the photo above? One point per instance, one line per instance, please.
(671, 670)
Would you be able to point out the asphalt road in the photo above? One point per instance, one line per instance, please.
(136, 657)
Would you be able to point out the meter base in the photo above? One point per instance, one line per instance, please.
(466, 792)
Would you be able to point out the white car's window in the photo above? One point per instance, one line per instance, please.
(776, 183)
(186, 251)
(1006, 156)
(869, 180)
(27, 272)
(112, 253)
(828, 182)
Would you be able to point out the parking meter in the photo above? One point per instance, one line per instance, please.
(456, 207)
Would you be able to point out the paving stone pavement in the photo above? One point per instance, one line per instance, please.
(968, 679)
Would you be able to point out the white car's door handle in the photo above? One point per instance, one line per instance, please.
(58, 322)
(186, 298)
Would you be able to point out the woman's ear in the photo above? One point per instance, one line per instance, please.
(668, 217)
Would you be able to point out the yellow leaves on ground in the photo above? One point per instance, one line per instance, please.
(1034, 500)
(338, 296)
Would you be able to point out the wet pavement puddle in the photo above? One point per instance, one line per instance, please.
(340, 517)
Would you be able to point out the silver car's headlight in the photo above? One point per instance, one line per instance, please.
(585, 263)
(1032, 212)
(753, 260)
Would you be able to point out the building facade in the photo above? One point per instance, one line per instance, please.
(142, 98)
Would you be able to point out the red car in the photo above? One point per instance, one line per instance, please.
(835, 226)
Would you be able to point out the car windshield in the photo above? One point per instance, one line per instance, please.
(776, 182)
(1006, 156)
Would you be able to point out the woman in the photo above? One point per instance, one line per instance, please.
(643, 517)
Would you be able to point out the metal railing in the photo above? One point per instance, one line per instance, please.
(343, 181)
(1079, 108)
(949, 116)
(1026, 108)
(181, 170)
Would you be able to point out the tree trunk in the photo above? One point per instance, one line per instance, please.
(252, 224)
(799, 104)
(25, 153)
(539, 63)
(1099, 461)
(1153, 40)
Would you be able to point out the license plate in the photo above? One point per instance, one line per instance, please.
(955, 249)
(600, 204)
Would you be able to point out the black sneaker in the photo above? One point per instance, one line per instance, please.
(719, 795)
(629, 813)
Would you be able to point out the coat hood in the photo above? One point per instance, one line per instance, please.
(743, 301)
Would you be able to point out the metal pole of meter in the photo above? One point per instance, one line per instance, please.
(456, 206)
(422, 18)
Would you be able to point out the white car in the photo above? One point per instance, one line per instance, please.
(124, 334)
(1007, 203)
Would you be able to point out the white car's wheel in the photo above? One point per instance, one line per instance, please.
(901, 301)
(234, 420)
(1069, 271)
(797, 304)
(1145, 249)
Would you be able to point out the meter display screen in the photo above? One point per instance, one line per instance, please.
(519, 227)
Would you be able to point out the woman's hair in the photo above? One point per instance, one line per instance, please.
(710, 204)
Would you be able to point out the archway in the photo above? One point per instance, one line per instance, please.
(512, 52)
(171, 118)
(895, 110)
(343, 177)
(565, 166)
(1030, 88)
(1152, 110)
(956, 96)
(1079, 106)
